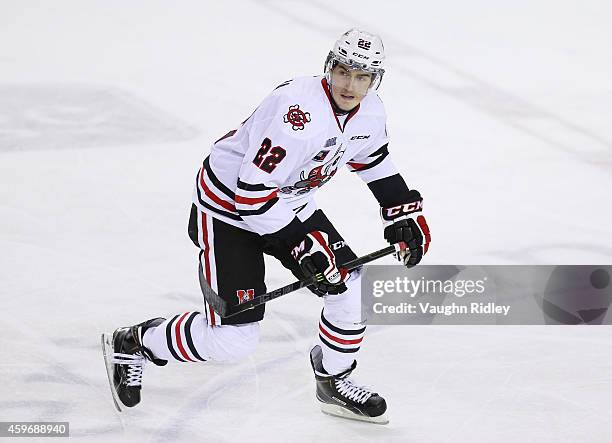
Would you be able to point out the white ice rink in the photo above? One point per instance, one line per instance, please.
(499, 112)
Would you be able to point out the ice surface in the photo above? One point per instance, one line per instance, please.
(499, 113)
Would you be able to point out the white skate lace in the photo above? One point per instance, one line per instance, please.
(135, 364)
(347, 387)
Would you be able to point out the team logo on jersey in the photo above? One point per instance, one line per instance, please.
(245, 295)
(321, 155)
(296, 117)
(316, 177)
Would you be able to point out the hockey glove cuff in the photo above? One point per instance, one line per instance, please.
(316, 258)
(405, 225)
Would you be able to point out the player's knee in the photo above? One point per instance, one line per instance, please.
(232, 343)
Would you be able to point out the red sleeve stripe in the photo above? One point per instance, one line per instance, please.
(338, 339)
(223, 203)
(255, 200)
(356, 166)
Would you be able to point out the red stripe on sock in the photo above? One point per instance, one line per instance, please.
(177, 333)
(339, 340)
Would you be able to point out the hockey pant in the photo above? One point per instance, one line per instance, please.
(232, 263)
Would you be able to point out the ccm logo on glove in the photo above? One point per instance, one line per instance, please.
(405, 209)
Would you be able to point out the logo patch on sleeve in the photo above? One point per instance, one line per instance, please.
(296, 117)
(321, 155)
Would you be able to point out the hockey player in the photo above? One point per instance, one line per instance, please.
(254, 196)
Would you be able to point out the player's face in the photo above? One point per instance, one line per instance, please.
(349, 86)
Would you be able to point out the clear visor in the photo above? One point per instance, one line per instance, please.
(351, 78)
(351, 81)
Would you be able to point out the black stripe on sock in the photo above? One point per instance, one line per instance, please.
(336, 348)
(341, 331)
(169, 338)
(188, 336)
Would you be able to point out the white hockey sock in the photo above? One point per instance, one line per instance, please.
(187, 337)
(340, 327)
(340, 343)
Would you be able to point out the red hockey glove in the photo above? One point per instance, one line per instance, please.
(316, 258)
(406, 226)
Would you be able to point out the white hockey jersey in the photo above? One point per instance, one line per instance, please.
(262, 175)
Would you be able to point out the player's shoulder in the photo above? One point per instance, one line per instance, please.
(296, 106)
(298, 86)
(372, 106)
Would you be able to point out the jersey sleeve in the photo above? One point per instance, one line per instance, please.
(375, 167)
(272, 156)
(373, 162)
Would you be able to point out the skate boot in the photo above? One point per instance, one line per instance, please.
(125, 357)
(339, 395)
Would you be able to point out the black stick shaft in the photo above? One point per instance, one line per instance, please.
(229, 311)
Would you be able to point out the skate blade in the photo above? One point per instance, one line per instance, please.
(107, 352)
(339, 411)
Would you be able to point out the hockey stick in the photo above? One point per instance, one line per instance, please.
(225, 309)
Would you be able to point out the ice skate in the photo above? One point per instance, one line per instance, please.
(125, 358)
(339, 395)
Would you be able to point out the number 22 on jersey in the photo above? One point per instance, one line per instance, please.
(268, 157)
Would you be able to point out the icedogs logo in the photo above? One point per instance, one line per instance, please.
(296, 117)
(316, 177)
